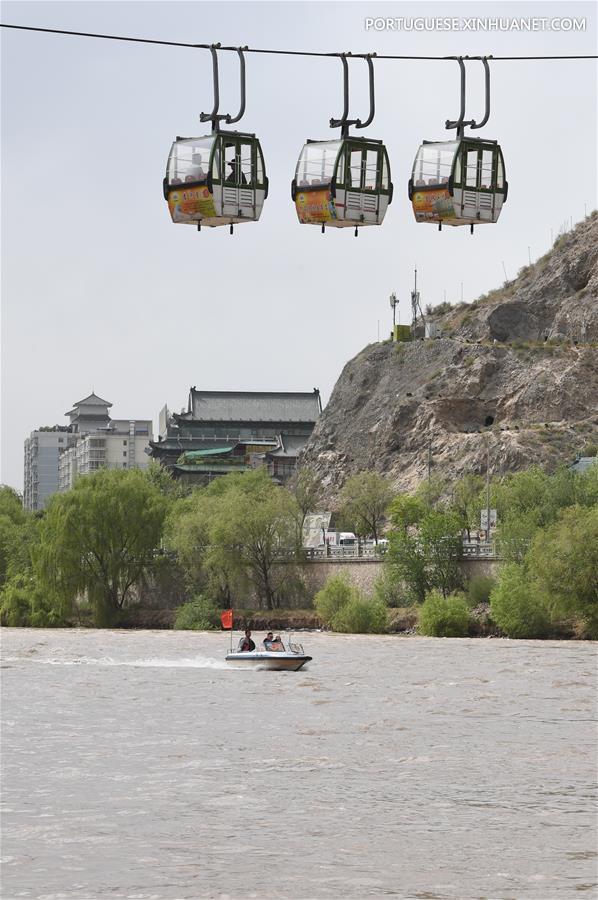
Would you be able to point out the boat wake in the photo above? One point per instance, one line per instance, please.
(201, 662)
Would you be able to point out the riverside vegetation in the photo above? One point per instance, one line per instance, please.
(83, 558)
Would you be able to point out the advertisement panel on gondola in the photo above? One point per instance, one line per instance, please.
(184, 205)
(315, 206)
(431, 204)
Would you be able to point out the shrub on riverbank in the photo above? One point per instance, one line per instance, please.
(403, 618)
(23, 604)
(444, 616)
(479, 589)
(343, 608)
(199, 614)
(516, 607)
(361, 616)
(336, 593)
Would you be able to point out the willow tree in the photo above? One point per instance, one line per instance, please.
(241, 532)
(364, 501)
(99, 538)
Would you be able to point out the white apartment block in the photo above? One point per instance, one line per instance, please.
(54, 457)
(43, 449)
(119, 446)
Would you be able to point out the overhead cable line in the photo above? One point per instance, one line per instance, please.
(136, 40)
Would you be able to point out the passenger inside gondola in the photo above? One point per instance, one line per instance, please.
(236, 175)
(196, 170)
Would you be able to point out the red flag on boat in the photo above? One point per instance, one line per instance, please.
(227, 619)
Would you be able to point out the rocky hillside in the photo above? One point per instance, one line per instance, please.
(520, 364)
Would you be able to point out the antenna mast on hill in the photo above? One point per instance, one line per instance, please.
(416, 310)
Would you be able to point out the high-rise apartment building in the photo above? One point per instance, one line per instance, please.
(92, 440)
(42, 452)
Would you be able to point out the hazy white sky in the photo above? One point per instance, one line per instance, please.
(100, 290)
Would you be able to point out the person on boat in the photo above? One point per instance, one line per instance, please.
(277, 644)
(268, 641)
(246, 645)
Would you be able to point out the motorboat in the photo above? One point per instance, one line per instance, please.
(291, 658)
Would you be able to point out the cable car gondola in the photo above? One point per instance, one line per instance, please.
(218, 179)
(459, 182)
(343, 183)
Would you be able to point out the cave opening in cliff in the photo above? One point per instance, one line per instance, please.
(489, 420)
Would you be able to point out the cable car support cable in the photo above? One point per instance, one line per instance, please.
(136, 40)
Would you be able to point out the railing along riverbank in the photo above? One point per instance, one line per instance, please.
(471, 550)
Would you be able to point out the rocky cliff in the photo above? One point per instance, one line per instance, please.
(519, 365)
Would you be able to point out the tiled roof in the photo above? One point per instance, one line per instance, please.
(246, 406)
(92, 400)
(292, 445)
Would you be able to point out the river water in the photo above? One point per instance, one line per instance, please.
(137, 766)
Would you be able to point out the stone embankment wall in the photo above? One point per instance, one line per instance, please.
(364, 572)
(167, 589)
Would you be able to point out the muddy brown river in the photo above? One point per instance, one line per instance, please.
(138, 766)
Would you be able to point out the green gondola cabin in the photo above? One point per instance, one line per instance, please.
(458, 182)
(342, 183)
(219, 179)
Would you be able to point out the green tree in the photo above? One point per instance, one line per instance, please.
(466, 501)
(516, 606)
(254, 533)
(431, 490)
(361, 616)
(364, 500)
(99, 538)
(479, 589)
(187, 533)
(161, 478)
(198, 614)
(444, 616)
(563, 562)
(443, 548)
(406, 562)
(241, 531)
(335, 594)
(586, 487)
(13, 522)
(306, 488)
(406, 510)
(427, 556)
(529, 501)
(23, 603)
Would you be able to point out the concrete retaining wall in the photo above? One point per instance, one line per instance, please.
(364, 572)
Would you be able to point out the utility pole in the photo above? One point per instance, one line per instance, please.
(416, 310)
(393, 303)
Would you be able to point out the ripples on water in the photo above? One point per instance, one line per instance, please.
(138, 766)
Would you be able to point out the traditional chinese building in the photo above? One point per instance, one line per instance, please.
(234, 431)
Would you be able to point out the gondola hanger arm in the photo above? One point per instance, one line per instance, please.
(486, 93)
(345, 122)
(460, 124)
(214, 117)
(370, 118)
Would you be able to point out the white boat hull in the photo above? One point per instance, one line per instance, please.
(279, 662)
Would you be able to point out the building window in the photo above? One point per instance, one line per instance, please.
(124, 452)
(124, 443)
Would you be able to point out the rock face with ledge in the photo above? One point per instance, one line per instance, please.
(517, 368)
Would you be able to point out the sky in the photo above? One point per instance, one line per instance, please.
(101, 291)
